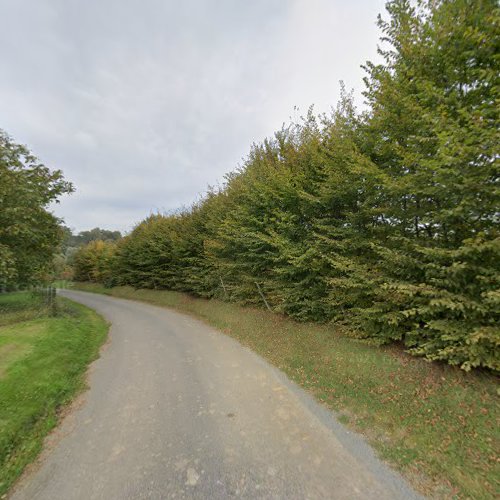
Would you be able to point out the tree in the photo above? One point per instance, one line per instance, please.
(29, 233)
(433, 130)
(95, 262)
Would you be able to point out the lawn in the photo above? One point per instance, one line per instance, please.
(437, 424)
(43, 360)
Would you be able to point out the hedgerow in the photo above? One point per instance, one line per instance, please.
(385, 220)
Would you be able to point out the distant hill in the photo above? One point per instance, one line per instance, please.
(83, 237)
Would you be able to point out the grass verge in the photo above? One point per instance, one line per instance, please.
(435, 423)
(43, 360)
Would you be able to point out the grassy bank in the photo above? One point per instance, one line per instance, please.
(436, 424)
(43, 360)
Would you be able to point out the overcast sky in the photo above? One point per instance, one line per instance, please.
(143, 103)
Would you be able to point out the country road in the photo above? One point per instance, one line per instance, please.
(176, 409)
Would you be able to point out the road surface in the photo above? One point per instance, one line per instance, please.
(176, 409)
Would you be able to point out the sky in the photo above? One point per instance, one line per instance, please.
(145, 103)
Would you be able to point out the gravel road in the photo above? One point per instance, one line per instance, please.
(177, 409)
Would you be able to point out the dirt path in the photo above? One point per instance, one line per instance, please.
(178, 410)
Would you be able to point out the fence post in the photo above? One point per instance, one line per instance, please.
(262, 295)
(51, 300)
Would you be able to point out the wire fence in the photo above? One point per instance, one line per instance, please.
(46, 293)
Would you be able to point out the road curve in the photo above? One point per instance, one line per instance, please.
(176, 409)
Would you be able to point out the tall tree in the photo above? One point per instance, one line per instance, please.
(433, 130)
(29, 232)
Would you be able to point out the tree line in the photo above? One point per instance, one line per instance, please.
(63, 267)
(385, 220)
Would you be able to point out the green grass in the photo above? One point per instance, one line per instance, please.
(17, 307)
(435, 423)
(43, 360)
(62, 284)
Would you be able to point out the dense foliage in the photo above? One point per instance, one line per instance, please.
(29, 233)
(386, 220)
(93, 262)
(64, 261)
